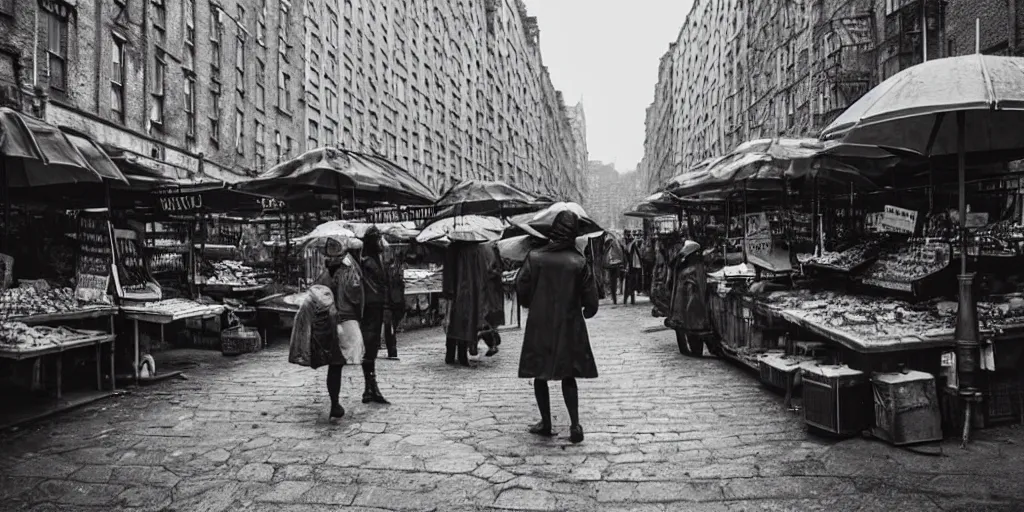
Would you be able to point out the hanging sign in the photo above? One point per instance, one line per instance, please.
(400, 214)
(899, 220)
(271, 205)
(95, 254)
(180, 203)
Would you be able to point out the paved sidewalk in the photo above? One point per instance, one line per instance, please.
(664, 432)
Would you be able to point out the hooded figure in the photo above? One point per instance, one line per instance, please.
(343, 280)
(376, 293)
(472, 273)
(688, 309)
(558, 287)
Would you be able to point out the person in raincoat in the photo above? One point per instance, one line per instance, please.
(468, 283)
(326, 327)
(558, 287)
(494, 315)
(688, 309)
(376, 305)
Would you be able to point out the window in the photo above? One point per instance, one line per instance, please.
(282, 31)
(278, 149)
(117, 74)
(159, 13)
(215, 117)
(314, 136)
(190, 35)
(261, 90)
(156, 113)
(283, 92)
(261, 160)
(216, 33)
(261, 24)
(57, 33)
(240, 62)
(239, 131)
(190, 108)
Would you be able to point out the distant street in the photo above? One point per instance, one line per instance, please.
(664, 432)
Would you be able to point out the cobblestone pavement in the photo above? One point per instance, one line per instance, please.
(664, 432)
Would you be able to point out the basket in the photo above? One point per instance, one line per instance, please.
(239, 340)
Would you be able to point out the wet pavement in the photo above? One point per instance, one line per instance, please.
(664, 432)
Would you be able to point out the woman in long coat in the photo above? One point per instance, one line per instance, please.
(468, 283)
(558, 287)
(688, 311)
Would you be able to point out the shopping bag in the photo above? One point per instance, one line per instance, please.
(299, 347)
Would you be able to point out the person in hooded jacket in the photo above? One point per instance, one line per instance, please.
(688, 310)
(342, 277)
(557, 286)
(472, 272)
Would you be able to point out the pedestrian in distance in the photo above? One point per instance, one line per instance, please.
(614, 259)
(376, 291)
(469, 283)
(634, 270)
(326, 328)
(558, 287)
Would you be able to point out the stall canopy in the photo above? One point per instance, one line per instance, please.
(471, 228)
(486, 194)
(659, 204)
(339, 172)
(539, 223)
(36, 154)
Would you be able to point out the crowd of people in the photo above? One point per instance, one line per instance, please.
(359, 299)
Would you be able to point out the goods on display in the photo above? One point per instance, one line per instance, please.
(172, 307)
(20, 336)
(132, 272)
(30, 301)
(235, 273)
(991, 315)
(912, 262)
(848, 259)
(420, 279)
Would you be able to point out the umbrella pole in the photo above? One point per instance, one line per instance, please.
(286, 274)
(966, 335)
(7, 201)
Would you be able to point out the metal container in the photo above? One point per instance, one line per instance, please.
(906, 408)
(837, 399)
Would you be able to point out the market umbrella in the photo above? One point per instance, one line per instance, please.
(34, 153)
(972, 104)
(399, 230)
(333, 171)
(539, 223)
(655, 205)
(518, 247)
(484, 194)
(469, 228)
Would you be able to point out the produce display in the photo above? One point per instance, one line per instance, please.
(421, 279)
(234, 273)
(850, 258)
(29, 301)
(171, 307)
(912, 262)
(991, 315)
(20, 336)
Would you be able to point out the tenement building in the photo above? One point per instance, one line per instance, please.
(748, 69)
(448, 90)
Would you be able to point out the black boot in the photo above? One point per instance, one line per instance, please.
(371, 393)
(463, 353)
(449, 357)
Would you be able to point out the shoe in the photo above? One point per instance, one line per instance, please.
(463, 354)
(337, 411)
(371, 393)
(575, 434)
(540, 429)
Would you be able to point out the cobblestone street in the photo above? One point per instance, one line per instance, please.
(664, 432)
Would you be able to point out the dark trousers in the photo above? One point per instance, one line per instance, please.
(648, 277)
(633, 277)
(371, 326)
(613, 283)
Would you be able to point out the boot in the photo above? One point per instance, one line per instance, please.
(337, 411)
(449, 357)
(463, 353)
(371, 393)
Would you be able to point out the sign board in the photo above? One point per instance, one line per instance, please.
(271, 205)
(180, 203)
(899, 220)
(400, 214)
(873, 222)
(976, 220)
(95, 254)
(131, 271)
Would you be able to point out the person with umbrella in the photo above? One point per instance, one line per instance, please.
(376, 289)
(558, 287)
(688, 308)
(471, 272)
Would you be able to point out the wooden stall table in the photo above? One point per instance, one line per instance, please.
(57, 348)
(84, 313)
(163, 313)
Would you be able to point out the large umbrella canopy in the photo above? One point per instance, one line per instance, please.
(330, 170)
(36, 154)
(484, 192)
(658, 204)
(539, 223)
(518, 247)
(468, 228)
(908, 111)
(345, 228)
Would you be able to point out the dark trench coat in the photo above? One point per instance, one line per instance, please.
(472, 281)
(688, 310)
(558, 287)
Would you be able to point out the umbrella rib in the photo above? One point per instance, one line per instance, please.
(988, 83)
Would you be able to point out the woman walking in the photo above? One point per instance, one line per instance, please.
(326, 330)
(558, 287)
(688, 310)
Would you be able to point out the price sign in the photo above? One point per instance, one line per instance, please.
(759, 247)
(899, 220)
(269, 204)
(95, 254)
(873, 222)
(132, 271)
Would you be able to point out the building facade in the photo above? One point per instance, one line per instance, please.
(448, 90)
(610, 194)
(750, 69)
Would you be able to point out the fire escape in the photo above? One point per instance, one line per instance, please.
(844, 62)
(903, 42)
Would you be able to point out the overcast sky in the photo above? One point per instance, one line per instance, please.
(607, 53)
